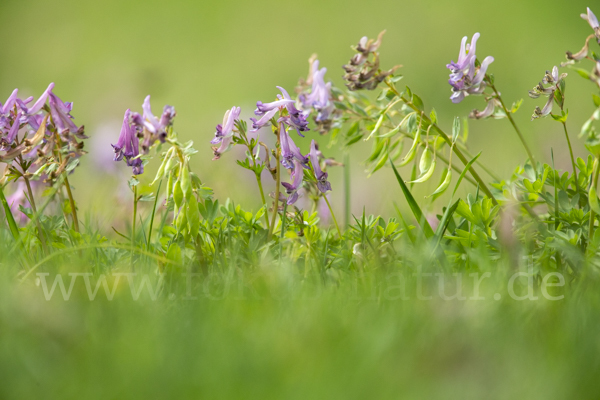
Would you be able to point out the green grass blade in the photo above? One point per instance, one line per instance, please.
(14, 229)
(439, 232)
(465, 170)
(413, 205)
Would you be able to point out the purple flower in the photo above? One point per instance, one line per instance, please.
(321, 176)
(295, 118)
(289, 151)
(10, 102)
(593, 21)
(264, 120)
(224, 134)
(320, 94)
(465, 77)
(39, 104)
(291, 189)
(128, 146)
(226, 129)
(61, 114)
(156, 127)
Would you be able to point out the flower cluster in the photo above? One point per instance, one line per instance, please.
(35, 130)
(147, 127)
(553, 79)
(319, 98)
(466, 77)
(363, 73)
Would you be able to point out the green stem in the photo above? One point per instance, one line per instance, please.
(347, 188)
(447, 139)
(277, 183)
(333, 216)
(34, 208)
(262, 197)
(72, 202)
(594, 184)
(512, 121)
(133, 226)
(572, 157)
(152, 217)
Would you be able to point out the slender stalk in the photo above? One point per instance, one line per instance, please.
(133, 222)
(34, 208)
(152, 217)
(134, 215)
(262, 197)
(572, 157)
(72, 202)
(512, 121)
(258, 181)
(277, 183)
(347, 188)
(333, 216)
(594, 184)
(448, 140)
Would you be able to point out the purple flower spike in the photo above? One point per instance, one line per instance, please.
(128, 146)
(320, 94)
(465, 77)
(321, 176)
(291, 189)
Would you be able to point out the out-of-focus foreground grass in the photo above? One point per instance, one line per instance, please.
(204, 57)
(273, 335)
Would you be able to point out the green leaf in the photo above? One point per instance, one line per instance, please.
(582, 72)
(596, 100)
(413, 205)
(433, 116)
(417, 102)
(464, 172)
(439, 232)
(14, 229)
(516, 106)
(594, 204)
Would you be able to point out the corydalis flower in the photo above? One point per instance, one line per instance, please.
(151, 128)
(128, 146)
(552, 78)
(319, 98)
(361, 73)
(295, 118)
(224, 132)
(61, 114)
(289, 151)
(321, 175)
(465, 77)
(291, 189)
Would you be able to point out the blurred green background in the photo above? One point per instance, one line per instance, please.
(204, 57)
